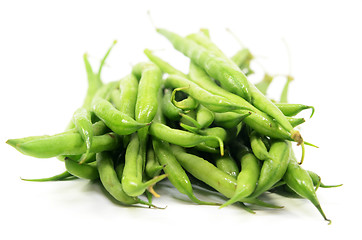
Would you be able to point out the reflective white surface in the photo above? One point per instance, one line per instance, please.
(43, 81)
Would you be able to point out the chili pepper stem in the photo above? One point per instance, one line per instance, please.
(153, 192)
(221, 144)
(303, 153)
(296, 136)
(318, 206)
(310, 144)
(311, 115)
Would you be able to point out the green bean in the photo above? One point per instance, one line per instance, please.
(64, 176)
(128, 97)
(210, 146)
(117, 121)
(204, 116)
(263, 85)
(182, 138)
(105, 91)
(211, 101)
(227, 164)
(258, 147)
(219, 132)
(119, 171)
(64, 144)
(284, 95)
(259, 121)
(168, 109)
(246, 179)
(83, 122)
(202, 169)
(173, 169)
(230, 77)
(229, 119)
(98, 128)
(133, 170)
(115, 98)
(290, 110)
(91, 157)
(273, 168)
(164, 66)
(153, 168)
(95, 88)
(300, 181)
(210, 174)
(201, 39)
(285, 191)
(296, 121)
(94, 78)
(149, 76)
(109, 180)
(242, 59)
(215, 66)
(203, 147)
(189, 119)
(317, 181)
(185, 104)
(85, 171)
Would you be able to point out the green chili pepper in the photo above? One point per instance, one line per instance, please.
(153, 168)
(64, 176)
(230, 77)
(83, 122)
(263, 85)
(242, 59)
(290, 110)
(109, 180)
(211, 101)
(149, 76)
(204, 116)
(246, 179)
(227, 164)
(258, 147)
(168, 109)
(173, 169)
(133, 170)
(317, 182)
(215, 66)
(85, 171)
(284, 95)
(117, 121)
(182, 138)
(300, 181)
(273, 168)
(164, 66)
(211, 175)
(64, 144)
(186, 104)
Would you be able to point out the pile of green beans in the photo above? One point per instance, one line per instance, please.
(211, 128)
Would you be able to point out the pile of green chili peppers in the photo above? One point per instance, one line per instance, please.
(210, 127)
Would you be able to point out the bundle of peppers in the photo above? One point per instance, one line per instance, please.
(210, 127)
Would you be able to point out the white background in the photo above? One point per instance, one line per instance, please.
(43, 81)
